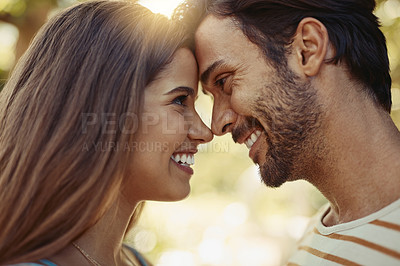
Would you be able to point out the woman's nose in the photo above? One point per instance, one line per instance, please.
(199, 131)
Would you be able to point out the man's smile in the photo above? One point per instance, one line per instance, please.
(252, 138)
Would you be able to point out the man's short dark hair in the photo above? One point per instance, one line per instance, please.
(271, 24)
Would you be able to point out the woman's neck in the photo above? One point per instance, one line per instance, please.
(103, 242)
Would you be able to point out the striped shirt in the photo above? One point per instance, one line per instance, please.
(372, 240)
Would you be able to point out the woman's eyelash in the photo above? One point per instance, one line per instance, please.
(180, 100)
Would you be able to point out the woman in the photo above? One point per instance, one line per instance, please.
(97, 117)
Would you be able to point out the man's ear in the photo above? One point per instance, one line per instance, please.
(311, 44)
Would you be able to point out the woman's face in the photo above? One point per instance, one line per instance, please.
(168, 134)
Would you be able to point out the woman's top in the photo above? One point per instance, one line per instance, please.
(138, 256)
(42, 262)
(45, 262)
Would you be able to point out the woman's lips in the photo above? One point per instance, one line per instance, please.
(184, 167)
(183, 160)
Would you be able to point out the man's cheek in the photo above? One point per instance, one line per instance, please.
(242, 103)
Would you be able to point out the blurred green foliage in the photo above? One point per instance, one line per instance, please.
(27, 16)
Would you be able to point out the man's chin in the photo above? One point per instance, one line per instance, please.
(273, 175)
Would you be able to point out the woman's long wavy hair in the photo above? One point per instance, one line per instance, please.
(89, 61)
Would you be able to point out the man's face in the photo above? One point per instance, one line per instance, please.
(273, 113)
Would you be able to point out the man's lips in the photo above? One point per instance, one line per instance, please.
(250, 138)
(251, 142)
(248, 131)
(254, 147)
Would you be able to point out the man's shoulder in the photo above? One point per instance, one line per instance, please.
(372, 240)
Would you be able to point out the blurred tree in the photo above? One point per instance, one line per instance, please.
(28, 16)
(388, 12)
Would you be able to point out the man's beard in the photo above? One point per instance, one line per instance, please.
(290, 116)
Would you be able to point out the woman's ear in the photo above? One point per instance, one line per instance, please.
(311, 44)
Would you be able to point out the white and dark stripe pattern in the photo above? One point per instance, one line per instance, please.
(372, 240)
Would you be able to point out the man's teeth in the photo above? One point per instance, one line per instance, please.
(185, 159)
(253, 138)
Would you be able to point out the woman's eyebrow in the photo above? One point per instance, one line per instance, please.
(188, 90)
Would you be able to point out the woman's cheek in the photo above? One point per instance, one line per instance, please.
(174, 124)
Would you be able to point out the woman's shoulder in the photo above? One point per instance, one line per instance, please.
(41, 263)
(142, 260)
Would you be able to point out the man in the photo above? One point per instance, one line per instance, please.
(305, 85)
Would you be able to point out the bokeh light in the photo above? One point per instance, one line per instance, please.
(165, 7)
(9, 37)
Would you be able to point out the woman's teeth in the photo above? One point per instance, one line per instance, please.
(252, 139)
(184, 159)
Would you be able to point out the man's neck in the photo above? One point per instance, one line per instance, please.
(361, 173)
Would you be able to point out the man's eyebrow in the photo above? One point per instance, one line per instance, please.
(188, 90)
(205, 92)
(204, 77)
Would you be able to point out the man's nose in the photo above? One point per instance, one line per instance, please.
(223, 118)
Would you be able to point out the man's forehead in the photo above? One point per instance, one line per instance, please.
(215, 40)
(212, 24)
